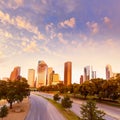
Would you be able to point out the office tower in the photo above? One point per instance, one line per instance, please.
(93, 74)
(67, 73)
(55, 79)
(109, 73)
(81, 79)
(31, 77)
(15, 74)
(86, 73)
(50, 76)
(42, 74)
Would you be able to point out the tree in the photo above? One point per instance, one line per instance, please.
(66, 102)
(3, 111)
(89, 111)
(2, 89)
(56, 97)
(110, 88)
(98, 82)
(17, 90)
(87, 88)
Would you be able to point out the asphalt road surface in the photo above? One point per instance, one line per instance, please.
(112, 113)
(41, 109)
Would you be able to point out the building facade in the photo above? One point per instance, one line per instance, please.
(81, 79)
(15, 74)
(67, 73)
(42, 72)
(55, 79)
(93, 74)
(87, 73)
(109, 72)
(50, 76)
(31, 77)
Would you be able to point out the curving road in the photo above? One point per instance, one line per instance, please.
(41, 109)
(112, 113)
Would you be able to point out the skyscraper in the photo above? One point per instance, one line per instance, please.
(15, 74)
(81, 79)
(109, 72)
(67, 73)
(86, 73)
(93, 74)
(55, 79)
(31, 77)
(50, 76)
(42, 74)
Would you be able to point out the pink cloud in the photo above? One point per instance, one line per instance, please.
(68, 23)
(93, 26)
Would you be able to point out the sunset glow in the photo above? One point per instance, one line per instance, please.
(81, 31)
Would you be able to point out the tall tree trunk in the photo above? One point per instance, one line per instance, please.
(10, 105)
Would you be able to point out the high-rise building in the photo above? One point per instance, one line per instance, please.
(67, 73)
(42, 74)
(86, 73)
(81, 79)
(50, 76)
(55, 79)
(93, 74)
(109, 72)
(31, 77)
(15, 74)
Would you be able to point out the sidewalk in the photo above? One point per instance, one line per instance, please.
(19, 111)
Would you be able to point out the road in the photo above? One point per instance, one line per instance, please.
(112, 113)
(41, 109)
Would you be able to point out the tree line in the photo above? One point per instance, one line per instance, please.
(102, 89)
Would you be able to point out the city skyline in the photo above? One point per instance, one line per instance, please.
(83, 32)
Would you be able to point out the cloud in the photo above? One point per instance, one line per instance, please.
(68, 5)
(31, 47)
(83, 37)
(68, 23)
(5, 34)
(61, 40)
(14, 4)
(20, 23)
(50, 29)
(93, 26)
(107, 21)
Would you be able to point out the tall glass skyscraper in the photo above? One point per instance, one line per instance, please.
(109, 72)
(42, 74)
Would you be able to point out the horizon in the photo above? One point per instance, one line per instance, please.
(83, 32)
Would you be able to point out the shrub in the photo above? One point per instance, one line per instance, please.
(66, 102)
(3, 111)
(56, 97)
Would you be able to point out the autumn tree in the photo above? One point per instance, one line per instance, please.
(17, 90)
(89, 111)
(87, 88)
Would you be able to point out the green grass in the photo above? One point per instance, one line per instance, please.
(68, 114)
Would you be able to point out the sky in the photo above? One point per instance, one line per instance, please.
(85, 32)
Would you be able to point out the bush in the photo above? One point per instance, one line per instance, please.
(89, 111)
(56, 97)
(66, 102)
(3, 111)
